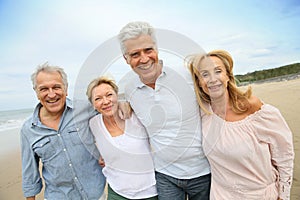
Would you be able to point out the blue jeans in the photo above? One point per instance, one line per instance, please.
(170, 188)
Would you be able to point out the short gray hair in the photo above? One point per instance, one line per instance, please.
(49, 69)
(133, 30)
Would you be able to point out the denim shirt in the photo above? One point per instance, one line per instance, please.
(70, 164)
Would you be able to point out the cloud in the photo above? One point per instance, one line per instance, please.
(65, 33)
(260, 52)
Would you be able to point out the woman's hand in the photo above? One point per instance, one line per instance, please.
(101, 162)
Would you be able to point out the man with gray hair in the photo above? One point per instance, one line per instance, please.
(165, 102)
(69, 167)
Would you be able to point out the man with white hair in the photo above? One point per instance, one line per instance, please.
(51, 136)
(165, 103)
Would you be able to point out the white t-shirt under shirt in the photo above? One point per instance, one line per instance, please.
(129, 166)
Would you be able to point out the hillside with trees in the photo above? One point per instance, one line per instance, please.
(280, 73)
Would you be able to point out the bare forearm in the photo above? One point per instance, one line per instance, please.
(30, 198)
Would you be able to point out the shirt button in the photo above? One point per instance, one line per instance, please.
(58, 135)
(65, 149)
(70, 164)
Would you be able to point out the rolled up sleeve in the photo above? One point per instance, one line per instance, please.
(31, 179)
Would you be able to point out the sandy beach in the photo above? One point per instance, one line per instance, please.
(10, 166)
(284, 95)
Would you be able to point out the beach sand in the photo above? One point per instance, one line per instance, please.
(10, 166)
(284, 95)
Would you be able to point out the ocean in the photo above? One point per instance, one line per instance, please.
(12, 119)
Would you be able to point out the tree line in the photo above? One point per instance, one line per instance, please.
(268, 74)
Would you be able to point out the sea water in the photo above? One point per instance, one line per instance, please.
(12, 119)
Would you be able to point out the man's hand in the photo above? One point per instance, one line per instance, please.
(125, 110)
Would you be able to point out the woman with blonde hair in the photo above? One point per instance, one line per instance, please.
(247, 142)
(123, 145)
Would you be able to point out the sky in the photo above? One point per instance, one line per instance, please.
(258, 34)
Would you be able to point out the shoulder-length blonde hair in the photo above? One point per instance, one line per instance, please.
(238, 99)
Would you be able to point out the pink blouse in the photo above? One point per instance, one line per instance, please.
(251, 158)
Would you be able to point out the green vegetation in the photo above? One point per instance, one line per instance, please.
(268, 74)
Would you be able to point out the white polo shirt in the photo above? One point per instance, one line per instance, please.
(171, 116)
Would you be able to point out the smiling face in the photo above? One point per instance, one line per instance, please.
(51, 92)
(105, 100)
(213, 77)
(142, 56)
